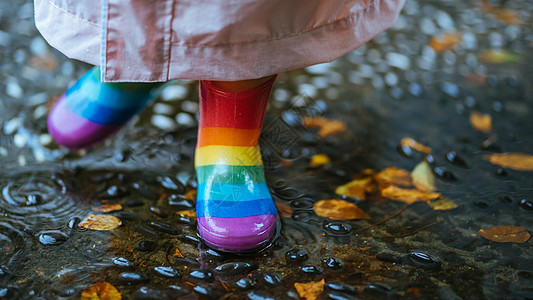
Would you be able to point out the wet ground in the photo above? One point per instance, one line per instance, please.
(394, 87)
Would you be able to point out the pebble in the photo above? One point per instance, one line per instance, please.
(13, 89)
(149, 293)
(301, 203)
(333, 263)
(206, 291)
(122, 262)
(146, 246)
(189, 106)
(173, 92)
(202, 275)
(301, 216)
(165, 228)
(444, 174)
(398, 60)
(116, 192)
(163, 122)
(185, 119)
(296, 256)
(234, 268)
(178, 200)
(378, 289)
(168, 272)
(163, 109)
(73, 222)
(176, 291)
(450, 89)
(52, 237)
(130, 278)
(336, 228)
(389, 257)
(311, 270)
(260, 295)
(340, 287)
(526, 204)
(158, 212)
(171, 183)
(272, 278)
(134, 202)
(423, 259)
(340, 296)
(455, 159)
(189, 239)
(147, 193)
(245, 283)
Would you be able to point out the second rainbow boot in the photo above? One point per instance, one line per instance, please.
(234, 208)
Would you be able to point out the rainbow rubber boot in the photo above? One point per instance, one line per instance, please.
(90, 111)
(234, 208)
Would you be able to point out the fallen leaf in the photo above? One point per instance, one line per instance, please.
(187, 213)
(101, 291)
(100, 222)
(393, 176)
(309, 290)
(442, 203)
(356, 188)
(445, 42)
(177, 253)
(319, 160)
(423, 178)
(500, 56)
(327, 126)
(481, 122)
(47, 62)
(517, 161)
(507, 16)
(106, 208)
(190, 195)
(411, 143)
(285, 211)
(505, 234)
(407, 195)
(339, 210)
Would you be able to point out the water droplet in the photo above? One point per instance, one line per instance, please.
(301, 216)
(296, 256)
(311, 270)
(52, 237)
(444, 174)
(130, 278)
(455, 159)
(165, 228)
(158, 212)
(146, 246)
(260, 295)
(202, 274)
(245, 283)
(301, 203)
(166, 272)
(423, 259)
(234, 268)
(122, 262)
(271, 278)
(333, 263)
(149, 293)
(526, 204)
(336, 228)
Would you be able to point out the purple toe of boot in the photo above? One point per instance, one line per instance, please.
(73, 131)
(237, 234)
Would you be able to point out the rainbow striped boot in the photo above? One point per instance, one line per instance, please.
(90, 111)
(234, 208)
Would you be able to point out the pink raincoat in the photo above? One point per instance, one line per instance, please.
(161, 40)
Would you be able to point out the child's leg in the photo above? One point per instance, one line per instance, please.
(234, 207)
(90, 111)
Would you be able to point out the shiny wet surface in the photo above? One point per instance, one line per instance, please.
(394, 87)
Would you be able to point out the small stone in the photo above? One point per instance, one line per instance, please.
(184, 119)
(134, 202)
(234, 268)
(336, 228)
(116, 192)
(73, 222)
(168, 272)
(163, 122)
(311, 270)
(381, 290)
(146, 246)
(339, 296)
(189, 239)
(333, 263)
(130, 278)
(149, 293)
(163, 109)
(260, 295)
(158, 212)
(122, 262)
(245, 283)
(52, 237)
(296, 256)
(176, 291)
(173, 92)
(389, 257)
(455, 159)
(165, 228)
(340, 287)
(526, 204)
(207, 292)
(444, 174)
(501, 172)
(271, 278)
(202, 275)
(423, 259)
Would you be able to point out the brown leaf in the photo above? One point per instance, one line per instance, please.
(327, 126)
(517, 161)
(356, 188)
(285, 211)
(393, 176)
(100, 222)
(319, 160)
(105, 208)
(187, 213)
(445, 42)
(47, 62)
(101, 291)
(423, 178)
(339, 210)
(309, 290)
(509, 17)
(442, 203)
(505, 234)
(177, 253)
(190, 195)
(407, 195)
(481, 122)
(411, 143)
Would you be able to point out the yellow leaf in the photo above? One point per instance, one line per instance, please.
(411, 143)
(190, 195)
(442, 203)
(100, 222)
(339, 210)
(393, 176)
(187, 213)
(327, 126)
(177, 253)
(319, 160)
(481, 122)
(356, 188)
(309, 290)
(105, 208)
(407, 195)
(423, 178)
(285, 211)
(500, 56)
(517, 161)
(101, 291)
(445, 42)
(505, 234)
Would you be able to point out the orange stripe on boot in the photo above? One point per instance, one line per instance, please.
(220, 136)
